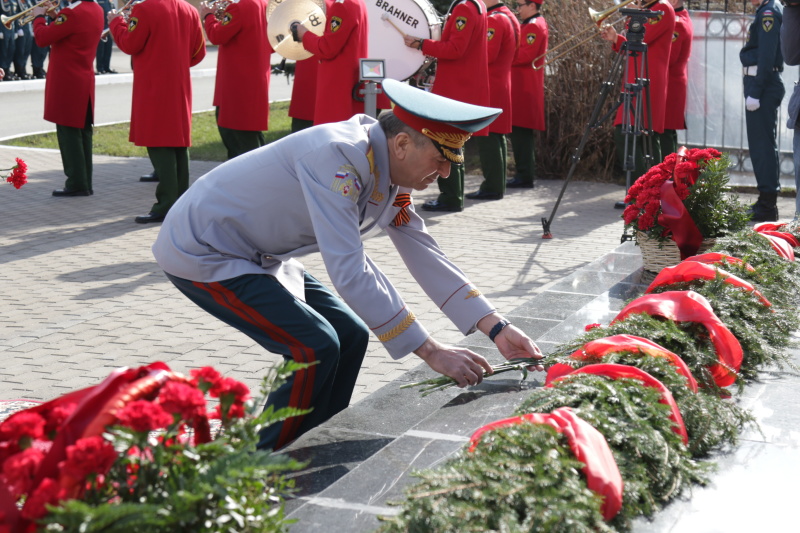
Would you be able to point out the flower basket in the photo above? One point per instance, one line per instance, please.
(657, 255)
(681, 205)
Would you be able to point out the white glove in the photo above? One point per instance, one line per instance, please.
(751, 104)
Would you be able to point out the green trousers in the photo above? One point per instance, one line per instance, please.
(493, 152)
(238, 142)
(300, 124)
(640, 166)
(668, 141)
(451, 189)
(524, 156)
(172, 167)
(75, 145)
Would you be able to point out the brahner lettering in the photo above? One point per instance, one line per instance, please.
(389, 8)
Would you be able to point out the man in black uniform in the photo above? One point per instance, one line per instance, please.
(103, 59)
(790, 48)
(8, 38)
(763, 90)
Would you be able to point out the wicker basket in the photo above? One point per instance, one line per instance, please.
(658, 255)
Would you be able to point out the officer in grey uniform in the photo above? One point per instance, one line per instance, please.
(231, 241)
(762, 60)
(790, 48)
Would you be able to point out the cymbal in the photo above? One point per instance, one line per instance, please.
(272, 4)
(279, 32)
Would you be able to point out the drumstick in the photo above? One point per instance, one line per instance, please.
(388, 19)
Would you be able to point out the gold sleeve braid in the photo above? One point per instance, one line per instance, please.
(398, 329)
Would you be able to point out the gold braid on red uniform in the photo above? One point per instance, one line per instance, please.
(402, 200)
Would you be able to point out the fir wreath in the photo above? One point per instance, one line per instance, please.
(472, 492)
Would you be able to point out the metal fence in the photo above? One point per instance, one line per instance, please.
(715, 102)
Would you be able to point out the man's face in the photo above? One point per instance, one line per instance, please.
(415, 166)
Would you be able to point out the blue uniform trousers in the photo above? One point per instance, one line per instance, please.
(762, 132)
(321, 330)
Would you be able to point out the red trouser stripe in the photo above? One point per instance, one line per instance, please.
(303, 384)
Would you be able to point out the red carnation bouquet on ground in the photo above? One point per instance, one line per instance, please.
(685, 198)
(136, 453)
(18, 175)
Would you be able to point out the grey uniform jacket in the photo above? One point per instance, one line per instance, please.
(323, 189)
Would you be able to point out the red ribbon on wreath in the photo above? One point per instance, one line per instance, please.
(778, 230)
(716, 258)
(97, 407)
(781, 246)
(689, 306)
(691, 270)
(599, 348)
(614, 371)
(674, 216)
(587, 445)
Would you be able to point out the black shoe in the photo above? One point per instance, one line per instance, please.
(482, 195)
(764, 215)
(152, 177)
(39, 73)
(68, 192)
(436, 205)
(765, 209)
(149, 217)
(516, 183)
(110, 71)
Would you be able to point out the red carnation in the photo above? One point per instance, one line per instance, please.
(590, 327)
(20, 470)
(17, 177)
(22, 424)
(234, 411)
(91, 455)
(141, 415)
(230, 389)
(182, 399)
(56, 417)
(205, 378)
(48, 492)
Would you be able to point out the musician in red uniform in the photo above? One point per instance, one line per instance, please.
(304, 93)
(527, 92)
(462, 73)
(658, 38)
(164, 38)
(69, 90)
(241, 93)
(678, 78)
(502, 39)
(338, 50)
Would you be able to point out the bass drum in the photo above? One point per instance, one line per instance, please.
(387, 18)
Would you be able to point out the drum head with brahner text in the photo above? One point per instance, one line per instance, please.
(417, 18)
(272, 4)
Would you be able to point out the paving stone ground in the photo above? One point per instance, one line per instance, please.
(81, 295)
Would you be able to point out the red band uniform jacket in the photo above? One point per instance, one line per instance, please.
(527, 83)
(73, 37)
(243, 68)
(503, 36)
(164, 38)
(338, 49)
(678, 77)
(658, 37)
(462, 71)
(304, 89)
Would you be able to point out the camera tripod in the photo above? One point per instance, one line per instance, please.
(635, 101)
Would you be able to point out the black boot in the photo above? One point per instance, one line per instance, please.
(765, 209)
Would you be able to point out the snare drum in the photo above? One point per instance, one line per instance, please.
(417, 18)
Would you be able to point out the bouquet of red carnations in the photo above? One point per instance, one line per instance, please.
(136, 452)
(685, 198)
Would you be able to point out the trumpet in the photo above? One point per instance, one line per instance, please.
(597, 17)
(218, 7)
(124, 11)
(25, 16)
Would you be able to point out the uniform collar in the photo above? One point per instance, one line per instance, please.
(382, 193)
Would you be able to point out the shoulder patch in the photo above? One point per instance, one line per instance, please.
(461, 23)
(336, 23)
(347, 183)
(530, 38)
(132, 23)
(490, 33)
(226, 19)
(674, 36)
(60, 19)
(657, 18)
(767, 23)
